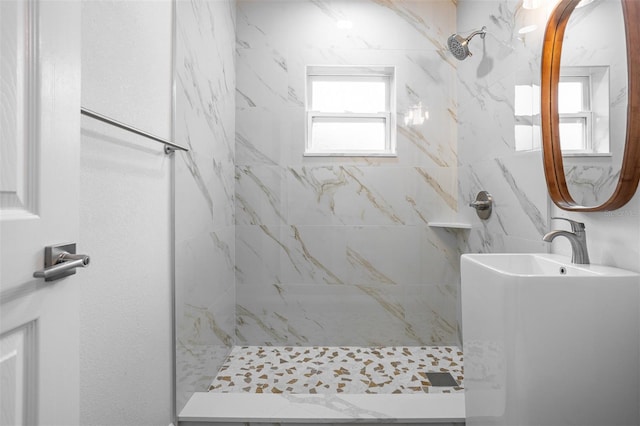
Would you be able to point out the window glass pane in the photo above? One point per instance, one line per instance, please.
(570, 97)
(537, 136)
(523, 102)
(343, 134)
(524, 137)
(356, 95)
(573, 134)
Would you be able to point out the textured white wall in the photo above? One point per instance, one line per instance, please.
(125, 217)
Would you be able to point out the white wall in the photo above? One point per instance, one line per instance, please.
(125, 217)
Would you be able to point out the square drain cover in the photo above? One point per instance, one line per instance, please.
(441, 379)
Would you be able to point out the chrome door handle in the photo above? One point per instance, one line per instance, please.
(55, 272)
(61, 261)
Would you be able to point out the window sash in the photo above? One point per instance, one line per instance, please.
(385, 79)
(586, 119)
(584, 115)
(312, 116)
(585, 84)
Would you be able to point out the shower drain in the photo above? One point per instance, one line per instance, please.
(441, 379)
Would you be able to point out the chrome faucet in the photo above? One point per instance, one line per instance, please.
(577, 238)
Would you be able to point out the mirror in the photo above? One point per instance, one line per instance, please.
(592, 100)
(590, 147)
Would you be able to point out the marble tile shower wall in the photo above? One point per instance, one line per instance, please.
(204, 191)
(486, 117)
(337, 251)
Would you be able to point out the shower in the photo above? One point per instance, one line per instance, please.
(459, 46)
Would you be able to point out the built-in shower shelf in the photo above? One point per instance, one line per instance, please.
(453, 225)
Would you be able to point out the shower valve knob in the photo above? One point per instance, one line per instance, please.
(480, 205)
(483, 204)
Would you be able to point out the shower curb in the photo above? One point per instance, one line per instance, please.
(235, 408)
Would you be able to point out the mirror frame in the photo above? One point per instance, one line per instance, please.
(550, 75)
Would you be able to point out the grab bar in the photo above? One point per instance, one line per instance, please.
(169, 147)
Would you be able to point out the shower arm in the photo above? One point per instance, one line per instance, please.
(482, 32)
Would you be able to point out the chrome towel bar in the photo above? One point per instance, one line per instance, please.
(169, 147)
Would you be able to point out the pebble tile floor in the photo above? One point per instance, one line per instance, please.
(330, 370)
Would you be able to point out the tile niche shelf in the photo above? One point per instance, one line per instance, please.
(452, 225)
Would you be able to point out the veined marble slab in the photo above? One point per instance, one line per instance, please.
(213, 407)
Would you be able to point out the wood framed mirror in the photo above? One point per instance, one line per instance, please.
(554, 169)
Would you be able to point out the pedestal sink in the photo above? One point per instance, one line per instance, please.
(547, 342)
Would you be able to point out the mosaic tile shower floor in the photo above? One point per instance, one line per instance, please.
(330, 370)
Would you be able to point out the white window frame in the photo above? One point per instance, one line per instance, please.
(352, 73)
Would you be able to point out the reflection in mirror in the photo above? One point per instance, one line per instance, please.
(526, 113)
(592, 100)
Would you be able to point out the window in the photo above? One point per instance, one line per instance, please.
(583, 108)
(527, 116)
(574, 108)
(583, 105)
(350, 111)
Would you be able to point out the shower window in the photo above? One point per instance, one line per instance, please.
(350, 111)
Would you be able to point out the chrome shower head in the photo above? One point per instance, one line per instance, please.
(459, 46)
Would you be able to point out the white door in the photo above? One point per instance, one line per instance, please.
(39, 169)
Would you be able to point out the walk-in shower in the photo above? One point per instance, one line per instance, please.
(331, 279)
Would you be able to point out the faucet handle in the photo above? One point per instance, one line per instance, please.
(575, 225)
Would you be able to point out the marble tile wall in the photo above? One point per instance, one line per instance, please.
(204, 191)
(486, 140)
(337, 251)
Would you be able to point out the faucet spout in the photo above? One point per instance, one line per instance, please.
(553, 234)
(578, 242)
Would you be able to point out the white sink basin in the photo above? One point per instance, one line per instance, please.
(549, 265)
(547, 342)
